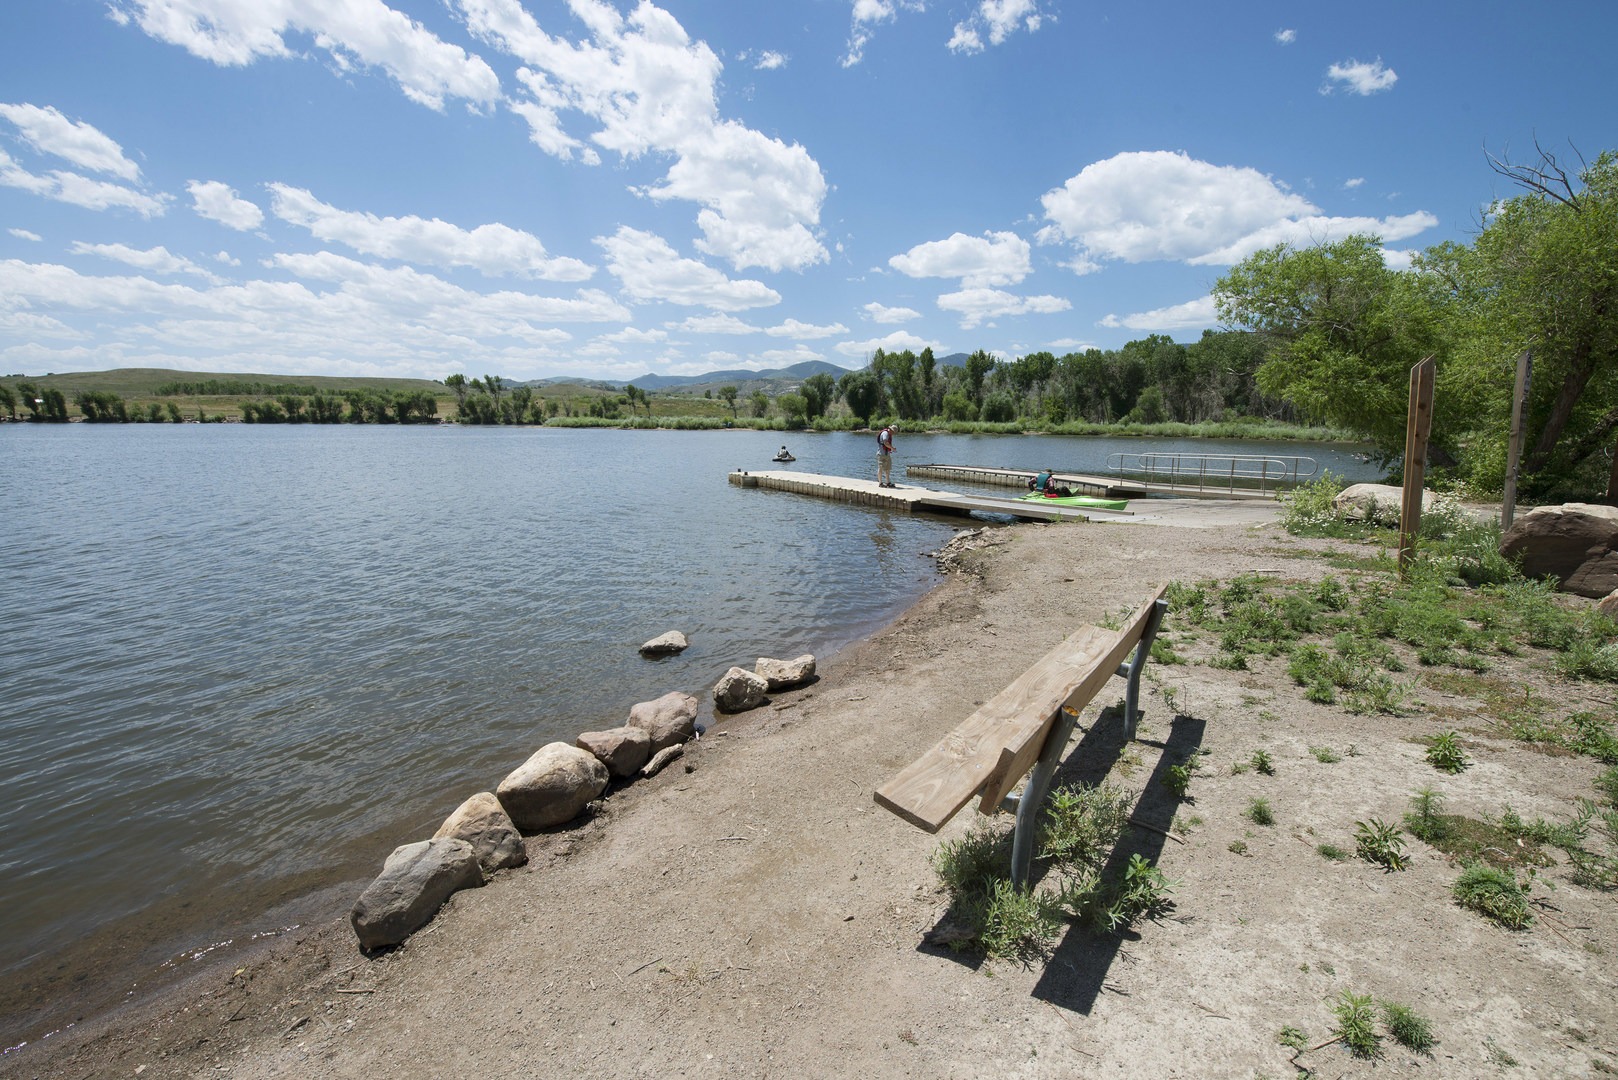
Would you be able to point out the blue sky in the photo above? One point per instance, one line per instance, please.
(535, 187)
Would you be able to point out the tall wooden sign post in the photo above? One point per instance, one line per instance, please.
(1418, 425)
(1519, 405)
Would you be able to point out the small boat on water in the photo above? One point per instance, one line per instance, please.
(1092, 502)
(784, 455)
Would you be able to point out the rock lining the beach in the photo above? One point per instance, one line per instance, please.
(482, 822)
(670, 719)
(556, 782)
(739, 690)
(665, 644)
(415, 881)
(1573, 543)
(1380, 504)
(623, 750)
(785, 674)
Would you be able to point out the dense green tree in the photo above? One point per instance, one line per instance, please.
(727, 394)
(760, 402)
(818, 391)
(1341, 333)
(101, 407)
(794, 409)
(8, 401)
(862, 393)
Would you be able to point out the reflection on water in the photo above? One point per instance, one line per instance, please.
(233, 650)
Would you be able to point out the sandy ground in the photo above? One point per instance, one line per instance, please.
(753, 913)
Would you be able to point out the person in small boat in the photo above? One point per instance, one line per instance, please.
(785, 455)
(1045, 483)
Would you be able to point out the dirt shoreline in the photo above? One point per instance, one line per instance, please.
(754, 913)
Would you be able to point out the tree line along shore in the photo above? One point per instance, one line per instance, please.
(1153, 386)
(1320, 335)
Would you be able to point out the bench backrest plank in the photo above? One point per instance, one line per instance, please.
(934, 787)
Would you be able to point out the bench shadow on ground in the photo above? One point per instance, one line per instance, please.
(1075, 972)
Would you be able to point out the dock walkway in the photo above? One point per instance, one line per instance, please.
(1113, 487)
(912, 499)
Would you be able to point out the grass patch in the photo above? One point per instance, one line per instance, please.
(1080, 831)
(1408, 1028)
(1380, 844)
(1494, 893)
(1259, 812)
(1445, 754)
(1332, 853)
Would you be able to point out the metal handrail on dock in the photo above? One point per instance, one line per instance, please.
(1236, 474)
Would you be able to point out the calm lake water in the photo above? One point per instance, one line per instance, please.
(243, 662)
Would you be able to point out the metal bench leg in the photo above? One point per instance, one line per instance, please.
(1131, 671)
(1032, 799)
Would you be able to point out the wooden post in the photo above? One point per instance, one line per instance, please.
(1418, 425)
(1519, 406)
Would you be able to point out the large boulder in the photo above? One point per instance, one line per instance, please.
(552, 786)
(623, 750)
(1573, 543)
(665, 644)
(739, 690)
(1380, 504)
(414, 883)
(670, 719)
(785, 674)
(482, 822)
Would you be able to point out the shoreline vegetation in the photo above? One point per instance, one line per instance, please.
(1328, 756)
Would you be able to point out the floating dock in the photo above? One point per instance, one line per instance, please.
(1112, 487)
(913, 499)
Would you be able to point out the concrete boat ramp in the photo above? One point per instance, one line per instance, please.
(1193, 513)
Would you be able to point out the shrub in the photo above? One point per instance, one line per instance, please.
(1356, 1024)
(1494, 893)
(1380, 843)
(1445, 753)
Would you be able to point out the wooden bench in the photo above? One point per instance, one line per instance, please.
(1025, 726)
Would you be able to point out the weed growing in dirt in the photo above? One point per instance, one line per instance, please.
(1143, 890)
(1237, 847)
(1262, 762)
(1379, 843)
(1293, 1038)
(1356, 1024)
(1445, 753)
(1325, 755)
(1495, 893)
(1006, 921)
(1259, 812)
(1408, 1028)
(1331, 852)
(1082, 824)
(1497, 1055)
(1424, 821)
(1178, 780)
(1607, 784)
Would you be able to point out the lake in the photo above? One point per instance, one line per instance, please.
(244, 662)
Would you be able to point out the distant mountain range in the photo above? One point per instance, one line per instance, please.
(743, 379)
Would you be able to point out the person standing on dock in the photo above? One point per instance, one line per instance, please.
(884, 457)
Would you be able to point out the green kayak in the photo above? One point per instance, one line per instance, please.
(1090, 501)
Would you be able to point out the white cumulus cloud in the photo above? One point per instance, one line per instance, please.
(1143, 206)
(867, 14)
(650, 270)
(998, 19)
(898, 341)
(1000, 258)
(491, 249)
(1359, 78)
(976, 306)
(805, 331)
(881, 313)
(648, 89)
(157, 260)
(24, 234)
(219, 202)
(1286, 37)
(1193, 314)
(77, 190)
(364, 33)
(49, 132)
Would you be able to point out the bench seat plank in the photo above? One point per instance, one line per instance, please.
(986, 750)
